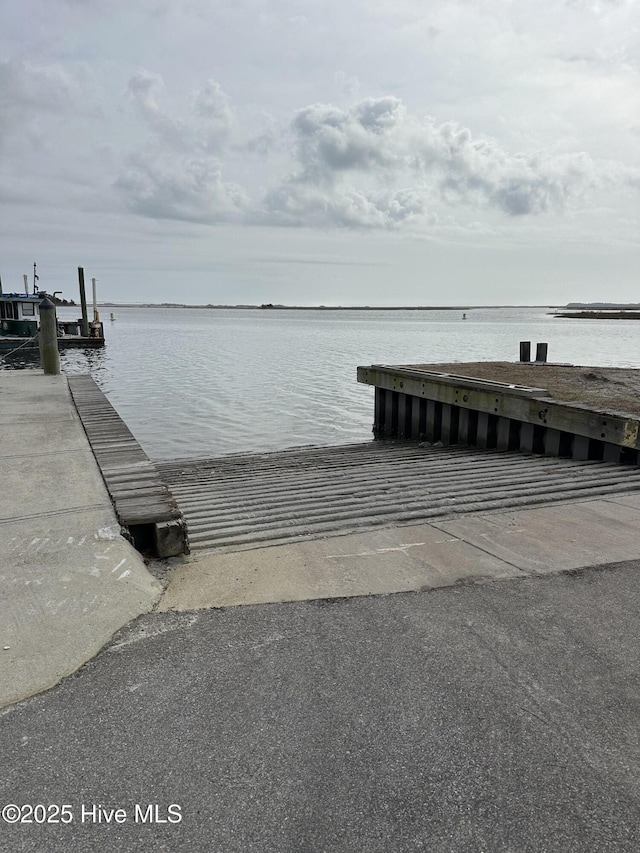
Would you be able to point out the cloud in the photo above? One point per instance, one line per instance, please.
(375, 165)
(189, 189)
(211, 104)
(30, 93)
(143, 89)
(178, 174)
(300, 203)
(206, 126)
(330, 140)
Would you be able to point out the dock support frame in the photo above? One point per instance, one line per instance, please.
(428, 406)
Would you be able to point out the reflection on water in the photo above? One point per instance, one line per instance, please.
(23, 359)
(202, 382)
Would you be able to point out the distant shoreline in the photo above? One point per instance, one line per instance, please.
(600, 315)
(316, 307)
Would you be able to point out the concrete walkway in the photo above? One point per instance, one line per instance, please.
(68, 580)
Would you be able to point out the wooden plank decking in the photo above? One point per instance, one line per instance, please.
(143, 502)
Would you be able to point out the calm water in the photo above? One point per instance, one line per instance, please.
(200, 382)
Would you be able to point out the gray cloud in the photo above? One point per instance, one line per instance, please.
(30, 93)
(191, 189)
(143, 88)
(179, 174)
(374, 165)
(331, 140)
(211, 104)
(208, 122)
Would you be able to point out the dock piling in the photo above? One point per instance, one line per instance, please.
(48, 339)
(83, 303)
(541, 353)
(525, 351)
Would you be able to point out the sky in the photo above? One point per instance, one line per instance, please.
(336, 152)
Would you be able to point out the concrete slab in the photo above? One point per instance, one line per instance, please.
(69, 580)
(53, 481)
(64, 595)
(557, 538)
(626, 500)
(378, 562)
(47, 394)
(33, 437)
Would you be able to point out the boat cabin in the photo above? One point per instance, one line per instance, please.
(20, 318)
(19, 314)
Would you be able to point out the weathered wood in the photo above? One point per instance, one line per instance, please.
(552, 442)
(140, 497)
(610, 452)
(416, 405)
(525, 404)
(402, 415)
(463, 426)
(482, 433)
(541, 353)
(525, 351)
(390, 413)
(378, 423)
(430, 421)
(503, 433)
(580, 449)
(526, 438)
(446, 423)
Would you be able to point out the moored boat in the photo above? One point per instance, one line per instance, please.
(20, 319)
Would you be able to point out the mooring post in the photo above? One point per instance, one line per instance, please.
(96, 316)
(525, 351)
(541, 353)
(83, 303)
(48, 339)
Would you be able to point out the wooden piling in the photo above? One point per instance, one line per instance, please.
(551, 442)
(403, 406)
(541, 353)
(48, 339)
(526, 438)
(503, 433)
(446, 424)
(416, 407)
(83, 303)
(525, 351)
(463, 426)
(580, 449)
(482, 433)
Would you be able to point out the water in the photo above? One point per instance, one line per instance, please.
(205, 382)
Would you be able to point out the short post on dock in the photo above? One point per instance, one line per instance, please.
(48, 339)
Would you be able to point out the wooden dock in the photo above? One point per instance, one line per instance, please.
(462, 404)
(143, 503)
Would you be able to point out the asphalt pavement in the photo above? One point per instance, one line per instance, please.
(498, 716)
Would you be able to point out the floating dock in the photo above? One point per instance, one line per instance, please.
(584, 413)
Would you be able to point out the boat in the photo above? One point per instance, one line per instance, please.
(20, 318)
